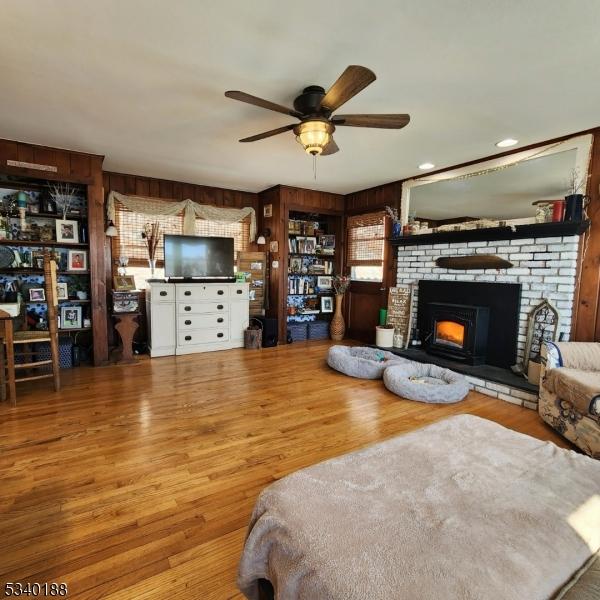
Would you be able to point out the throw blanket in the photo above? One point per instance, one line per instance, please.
(584, 356)
(463, 508)
(579, 388)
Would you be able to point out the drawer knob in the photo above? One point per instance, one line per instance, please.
(188, 322)
(188, 308)
(163, 293)
(220, 292)
(220, 320)
(219, 307)
(219, 335)
(239, 292)
(187, 293)
(188, 338)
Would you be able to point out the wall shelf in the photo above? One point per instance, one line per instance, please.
(40, 244)
(38, 272)
(533, 230)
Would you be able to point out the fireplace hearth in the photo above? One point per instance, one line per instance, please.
(458, 331)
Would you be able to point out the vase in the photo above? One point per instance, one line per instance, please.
(397, 229)
(575, 203)
(337, 328)
(152, 265)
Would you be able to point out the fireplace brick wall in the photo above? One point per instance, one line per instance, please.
(545, 267)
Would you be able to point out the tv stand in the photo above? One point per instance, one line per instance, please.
(188, 317)
(199, 280)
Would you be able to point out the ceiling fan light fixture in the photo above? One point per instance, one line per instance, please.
(314, 135)
(426, 166)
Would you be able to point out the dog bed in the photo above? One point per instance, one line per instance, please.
(425, 383)
(362, 362)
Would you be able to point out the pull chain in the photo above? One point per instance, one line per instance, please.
(315, 166)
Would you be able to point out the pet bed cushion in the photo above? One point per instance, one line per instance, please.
(362, 362)
(425, 383)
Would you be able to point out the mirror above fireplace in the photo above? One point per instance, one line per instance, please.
(504, 190)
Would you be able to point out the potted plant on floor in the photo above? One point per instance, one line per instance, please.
(337, 328)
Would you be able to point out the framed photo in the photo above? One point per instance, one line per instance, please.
(77, 260)
(295, 264)
(67, 231)
(62, 291)
(124, 283)
(274, 247)
(37, 295)
(327, 304)
(70, 317)
(327, 241)
(268, 210)
(324, 282)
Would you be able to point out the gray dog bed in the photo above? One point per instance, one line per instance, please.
(365, 363)
(425, 383)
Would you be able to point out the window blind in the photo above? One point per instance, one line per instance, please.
(129, 241)
(366, 239)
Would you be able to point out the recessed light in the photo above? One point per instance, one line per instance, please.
(426, 166)
(507, 143)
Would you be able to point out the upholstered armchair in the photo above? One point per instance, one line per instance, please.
(570, 392)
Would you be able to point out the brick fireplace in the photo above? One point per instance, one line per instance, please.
(543, 267)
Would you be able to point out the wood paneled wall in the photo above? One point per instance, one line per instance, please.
(375, 198)
(86, 169)
(586, 326)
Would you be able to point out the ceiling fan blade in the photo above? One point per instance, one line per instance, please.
(331, 148)
(266, 134)
(381, 121)
(354, 79)
(255, 101)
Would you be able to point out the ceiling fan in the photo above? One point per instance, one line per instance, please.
(314, 108)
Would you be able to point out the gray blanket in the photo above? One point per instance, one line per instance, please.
(463, 508)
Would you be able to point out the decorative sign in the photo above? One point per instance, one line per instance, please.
(400, 305)
(27, 165)
(541, 327)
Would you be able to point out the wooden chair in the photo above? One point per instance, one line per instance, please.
(23, 339)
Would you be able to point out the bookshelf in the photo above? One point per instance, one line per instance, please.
(312, 260)
(24, 236)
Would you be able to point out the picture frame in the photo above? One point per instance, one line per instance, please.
(295, 264)
(306, 244)
(325, 282)
(124, 283)
(67, 232)
(327, 304)
(77, 260)
(62, 291)
(71, 317)
(327, 241)
(37, 295)
(268, 210)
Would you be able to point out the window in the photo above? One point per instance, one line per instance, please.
(129, 241)
(366, 241)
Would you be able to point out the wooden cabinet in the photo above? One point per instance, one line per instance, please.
(184, 318)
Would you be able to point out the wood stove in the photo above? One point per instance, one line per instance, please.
(458, 331)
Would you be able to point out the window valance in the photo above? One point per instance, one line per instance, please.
(154, 207)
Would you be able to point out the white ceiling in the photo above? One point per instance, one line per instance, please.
(142, 82)
(504, 194)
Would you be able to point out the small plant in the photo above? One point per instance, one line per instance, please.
(151, 236)
(62, 194)
(576, 182)
(393, 214)
(340, 284)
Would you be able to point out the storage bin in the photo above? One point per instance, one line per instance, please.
(65, 351)
(298, 331)
(318, 330)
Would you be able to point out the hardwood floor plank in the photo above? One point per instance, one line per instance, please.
(139, 482)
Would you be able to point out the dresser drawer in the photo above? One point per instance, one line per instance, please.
(239, 292)
(162, 293)
(196, 321)
(199, 291)
(202, 336)
(198, 308)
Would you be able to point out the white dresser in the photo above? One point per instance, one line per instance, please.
(184, 318)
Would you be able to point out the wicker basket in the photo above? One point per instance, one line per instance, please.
(253, 337)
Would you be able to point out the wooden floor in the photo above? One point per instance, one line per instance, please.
(138, 482)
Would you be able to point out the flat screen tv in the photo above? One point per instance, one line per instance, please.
(190, 256)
